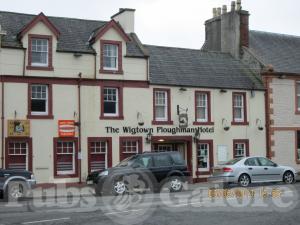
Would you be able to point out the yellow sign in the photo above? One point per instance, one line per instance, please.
(18, 128)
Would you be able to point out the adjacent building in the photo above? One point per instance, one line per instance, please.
(81, 95)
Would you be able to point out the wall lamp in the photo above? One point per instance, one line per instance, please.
(182, 89)
(140, 120)
(77, 54)
(149, 137)
(259, 125)
(225, 125)
(223, 91)
(196, 137)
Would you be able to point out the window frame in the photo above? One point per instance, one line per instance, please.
(297, 156)
(49, 103)
(108, 141)
(116, 102)
(241, 141)
(207, 121)
(167, 120)
(297, 95)
(106, 116)
(200, 171)
(105, 70)
(244, 120)
(76, 163)
(33, 66)
(138, 139)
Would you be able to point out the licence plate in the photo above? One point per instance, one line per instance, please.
(89, 182)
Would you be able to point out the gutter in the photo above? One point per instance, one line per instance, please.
(2, 123)
(79, 127)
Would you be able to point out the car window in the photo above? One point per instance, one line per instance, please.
(232, 161)
(162, 160)
(265, 162)
(145, 161)
(251, 162)
(177, 159)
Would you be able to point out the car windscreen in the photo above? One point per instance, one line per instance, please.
(127, 162)
(232, 161)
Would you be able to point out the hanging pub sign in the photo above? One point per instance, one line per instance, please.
(66, 128)
(18, 128)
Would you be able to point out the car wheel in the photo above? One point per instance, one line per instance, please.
(244, 180)
(288, 177)
(119, 187)
(15, 191)
(175, 184)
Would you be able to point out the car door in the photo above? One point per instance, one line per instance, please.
(269, 170)
(143, 166)
(252, 167)
(162, 166)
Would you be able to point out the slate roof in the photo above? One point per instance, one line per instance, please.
(280, 50)
(74, 33)
(195, 68)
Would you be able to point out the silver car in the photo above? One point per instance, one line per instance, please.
(244, 171)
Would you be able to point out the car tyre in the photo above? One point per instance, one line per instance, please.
(15, 191)
(244, 180)
(119, 187)
(288, 177)
(175, 184)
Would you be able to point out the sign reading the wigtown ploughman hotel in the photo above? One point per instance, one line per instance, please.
(66, 128)
(18, 128)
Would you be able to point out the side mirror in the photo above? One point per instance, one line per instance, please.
(275, 165)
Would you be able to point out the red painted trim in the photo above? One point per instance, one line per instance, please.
(50, 104)
(120, 55)
(168, 121)
(24, 139)
(39, 18)
(297, 111)
(50, 53)
(72, 81)
(245, 122)
(139, 139)
(208, 122)
(211, 157)
(109, 150)
(120, 100)
(296, 147)
(244, 141)
(112, 24)
(187, 139)
(55, 140)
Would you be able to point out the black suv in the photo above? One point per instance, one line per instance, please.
(15, 184)
(143, 171)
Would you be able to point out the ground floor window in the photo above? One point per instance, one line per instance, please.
(298, 145)
(163, 148)
(204, 156)
(130, 146)
(65, 156)
(18, 153)
(99, 153)
(240, 148)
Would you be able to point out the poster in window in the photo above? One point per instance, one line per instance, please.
(18, 128)
(66, 128)
(222, 153)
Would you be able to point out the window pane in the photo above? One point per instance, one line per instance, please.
(38, 105)
(298, 144)
(110, 107)
(203, 156)
(239, 149)
(238, 113)
(110, 56)
(110, 100)
(160, 112)
(160, 105)
(39, 51)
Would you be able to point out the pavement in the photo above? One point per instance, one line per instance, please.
(274, 204)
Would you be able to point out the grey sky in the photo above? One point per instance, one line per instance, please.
(177, 23)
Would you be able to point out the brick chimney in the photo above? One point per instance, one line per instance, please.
(229, 31)
(125, 17)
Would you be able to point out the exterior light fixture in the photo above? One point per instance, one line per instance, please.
(196, 137)
(77, 54)
(252, 93)
(161, 140)
(223, 91)
(182, 89)
(140, 119)
(225, 125)
(149, 137)
(259, 125)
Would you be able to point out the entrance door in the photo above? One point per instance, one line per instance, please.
(18, 154)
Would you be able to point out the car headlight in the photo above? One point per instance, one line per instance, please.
(104, 173)
(32, 177)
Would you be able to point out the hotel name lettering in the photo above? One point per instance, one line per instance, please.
(159, 130)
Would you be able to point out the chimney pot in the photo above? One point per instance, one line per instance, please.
(224, 9)
(238, 5)
(214, 12)
(219, 11)
(233, 6)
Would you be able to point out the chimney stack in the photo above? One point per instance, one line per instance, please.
(214, 12)
(238, 5)
(219, 10)
(232, 6)
(224, 9)
(125, 17)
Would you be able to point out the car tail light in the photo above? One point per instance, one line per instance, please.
(227, 169)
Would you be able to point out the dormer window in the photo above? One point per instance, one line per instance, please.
(111, 57)
(39, 52)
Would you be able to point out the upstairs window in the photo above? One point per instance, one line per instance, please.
(161, 105)
(111, 102)
(298, 97)
(239, 108)
(39, 99)
(39, 52)
(110, 57)
(201, 107)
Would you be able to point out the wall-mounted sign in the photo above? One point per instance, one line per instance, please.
(18, 128)
(183, 120)
(66, 128)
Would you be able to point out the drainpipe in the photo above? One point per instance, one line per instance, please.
(2, 124)
(24, 62)
(79, 127)
(95, 66)
(267, 111)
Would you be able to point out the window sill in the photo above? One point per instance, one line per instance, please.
(66, 176)
(198, 173)
(203, 123)
(48, 68)
(154, 122)
(50, 117)
(102, 117)
(116, 72)
(239, 123)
